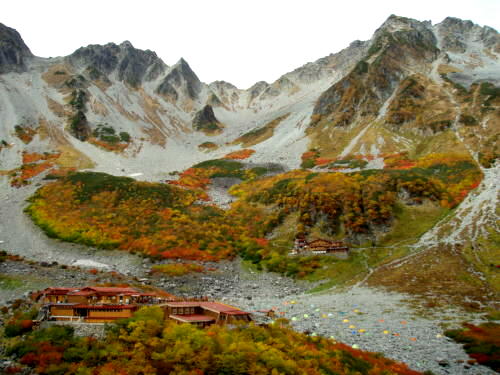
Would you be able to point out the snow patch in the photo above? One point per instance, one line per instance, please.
(88, 263)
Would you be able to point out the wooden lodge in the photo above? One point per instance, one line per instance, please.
(107, 304)
(319, 247)
(204, 313)
(94, 304)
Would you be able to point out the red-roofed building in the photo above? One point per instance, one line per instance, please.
(320, 246)
(199, 320)
(95, 304)
(213, 312)
(106, 304)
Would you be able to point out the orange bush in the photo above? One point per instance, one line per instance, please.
(33, 165)
(34, 157)
(309, 155)
(323, 161)
(115, 147)
(31, 170)
(240, 155)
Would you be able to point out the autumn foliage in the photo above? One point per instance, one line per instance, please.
(200, 175)
(149, 344)
(173, 222)
(33, 165)
(240, 154)
(115, 147)
(25, 133)
(482, 342)
(154, 219)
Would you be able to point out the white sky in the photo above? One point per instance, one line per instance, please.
(238, 41)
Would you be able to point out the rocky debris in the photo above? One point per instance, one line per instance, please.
(180, 81)
(372, 320)
(218, 191)
(205, 120)
(227, 281)
(14, 53)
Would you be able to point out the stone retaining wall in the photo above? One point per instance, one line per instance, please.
(81, 329)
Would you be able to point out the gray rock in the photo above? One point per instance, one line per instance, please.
(205, 120)
(181, 79)
(14, 53)
(132, 65)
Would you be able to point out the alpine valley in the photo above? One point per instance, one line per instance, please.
(116, 168)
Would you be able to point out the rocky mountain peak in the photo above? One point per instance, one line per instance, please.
(455, 33)
(13, 51)
(398, 23)
(183, 67)
(126, 44)
(222, 85)
(457, 23)
(180, 80)
(132, 65)
(257, 89)
(406, 38)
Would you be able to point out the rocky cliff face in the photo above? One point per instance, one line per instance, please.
(14, 53)
(456, 33)
(130, 65)
(180, 81)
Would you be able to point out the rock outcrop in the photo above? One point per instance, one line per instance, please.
(14, 53)
(205, 120)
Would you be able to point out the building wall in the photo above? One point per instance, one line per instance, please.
(54, 299)
(212, 314)
(182, 310)
(60, 311)
(107, 314)
(77, 299)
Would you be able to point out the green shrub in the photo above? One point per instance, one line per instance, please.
(468, 120)
(307, 163)
(125, 137)
(361, 67)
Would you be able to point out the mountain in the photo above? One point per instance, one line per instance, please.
(417, 101)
